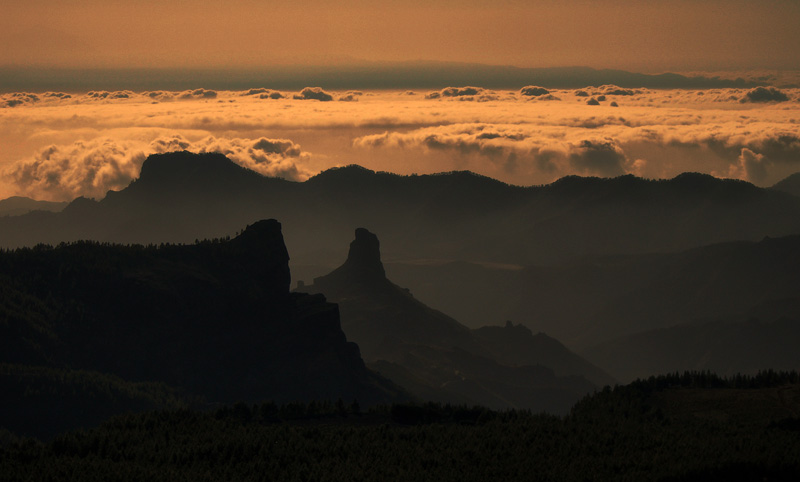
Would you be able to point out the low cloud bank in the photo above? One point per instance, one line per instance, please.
(91, 168)
(515, 148)
(602, 147)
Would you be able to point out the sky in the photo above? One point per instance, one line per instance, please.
(640, 35)
(65, 140)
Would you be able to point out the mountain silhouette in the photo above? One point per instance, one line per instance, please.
(215, 320)
(596, 298)
(361, 288)
(437, 358)
(417, 74)
(790, 185)
(181, 196)
(581, 259)
(724, 346)
(17, 205)
(516, 345)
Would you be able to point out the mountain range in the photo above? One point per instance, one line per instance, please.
(595, 263)
(16, 205)
(180, 197)
(351, 75)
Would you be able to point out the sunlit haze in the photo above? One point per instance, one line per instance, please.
(635, 35)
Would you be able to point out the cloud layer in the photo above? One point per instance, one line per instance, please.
(61, 145)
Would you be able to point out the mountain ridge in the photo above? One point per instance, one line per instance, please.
(415, 74)
(425, 216)
(18, 205)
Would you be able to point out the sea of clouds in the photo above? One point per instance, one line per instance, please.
(58, 146)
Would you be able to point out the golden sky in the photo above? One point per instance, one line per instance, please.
(640, 35)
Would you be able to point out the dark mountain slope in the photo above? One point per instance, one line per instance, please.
(376, 313)
(726, 347)
(790, 185)
(215, 318)
(437, 358)
(515, 345)
(16, 205)
(597, 298)
(42, 402)
(690, 427)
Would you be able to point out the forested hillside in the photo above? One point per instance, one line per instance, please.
(214, 321)
(742, 428)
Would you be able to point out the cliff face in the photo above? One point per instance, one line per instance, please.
(215, 318)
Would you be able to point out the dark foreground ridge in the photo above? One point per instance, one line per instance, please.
(694, 426)
(213, 321)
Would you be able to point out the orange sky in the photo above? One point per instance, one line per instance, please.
(641, 35)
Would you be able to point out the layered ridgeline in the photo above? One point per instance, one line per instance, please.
(180, 197)
(437, 358)
(585, 260)
(729, 307)
(213, 321)
(17, 205)
(789, 185)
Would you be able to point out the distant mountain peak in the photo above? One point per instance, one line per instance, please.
(344, 174)
(188, 170)
(789, 185)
